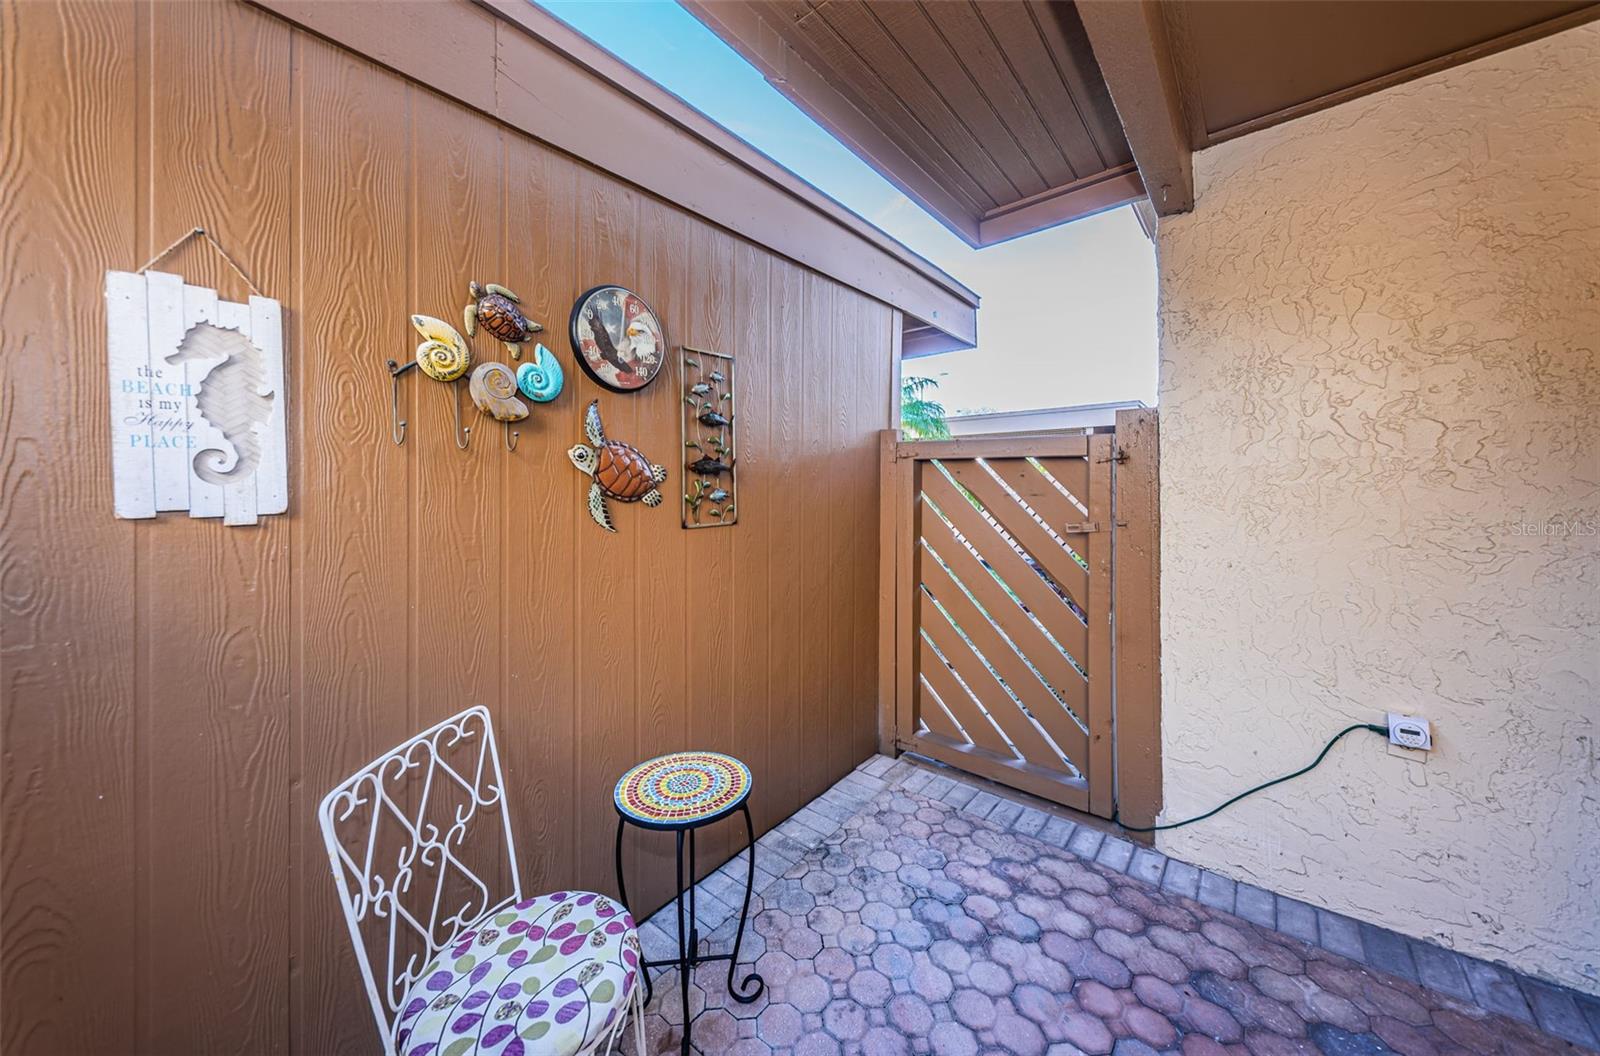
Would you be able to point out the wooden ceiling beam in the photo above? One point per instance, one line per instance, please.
(1129, 39)
(1059, 205)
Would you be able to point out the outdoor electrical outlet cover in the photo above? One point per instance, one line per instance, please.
(1408, 731)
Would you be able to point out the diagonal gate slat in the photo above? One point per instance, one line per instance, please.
(1051, 555)
(1005, 610)
(1054, 508)
(960, 705)
(933, 713)
(985, 686)
(1019, 678)
(1045, 604)
(1073, 473)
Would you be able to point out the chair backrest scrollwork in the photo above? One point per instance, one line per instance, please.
(396, 833)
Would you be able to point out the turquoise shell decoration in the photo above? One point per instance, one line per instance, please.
(541, 379)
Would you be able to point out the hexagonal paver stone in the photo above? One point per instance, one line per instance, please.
(1087, 1032)
(801, 943)
(870, 988)
(808, 992)
(952, 1039)
(834, 964)
(817, 1044)
(779, 1025)
(825, 920)
(857, 938)
(930, 982)
(990, 977)
(911, 1015)
(845, 1019)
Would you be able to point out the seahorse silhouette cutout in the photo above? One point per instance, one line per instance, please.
(232, 398)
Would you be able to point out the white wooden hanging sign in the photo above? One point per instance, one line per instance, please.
(197, 415)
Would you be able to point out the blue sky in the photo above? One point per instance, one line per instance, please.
(1068, 314)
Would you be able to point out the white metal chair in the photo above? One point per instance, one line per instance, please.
(463, 973)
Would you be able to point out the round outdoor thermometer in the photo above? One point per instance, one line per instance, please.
(617, 338)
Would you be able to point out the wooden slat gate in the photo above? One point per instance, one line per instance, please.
(1006, 556)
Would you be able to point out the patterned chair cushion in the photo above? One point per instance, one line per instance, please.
(548, 976)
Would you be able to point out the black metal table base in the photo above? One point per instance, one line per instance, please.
(689, 955)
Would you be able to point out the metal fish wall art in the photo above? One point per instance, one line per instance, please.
(710, 495)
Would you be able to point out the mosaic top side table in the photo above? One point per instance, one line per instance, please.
(679, 793)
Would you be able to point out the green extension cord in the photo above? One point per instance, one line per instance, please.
(1374, 727)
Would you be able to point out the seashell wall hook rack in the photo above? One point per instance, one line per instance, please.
(496, 389)
(443, 356)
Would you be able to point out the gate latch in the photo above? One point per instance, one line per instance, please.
(1081, 527)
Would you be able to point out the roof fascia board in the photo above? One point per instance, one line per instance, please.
(474, 51)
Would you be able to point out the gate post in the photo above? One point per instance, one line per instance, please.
(1137, 605)
(889, 533)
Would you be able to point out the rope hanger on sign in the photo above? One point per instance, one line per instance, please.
(203, 233)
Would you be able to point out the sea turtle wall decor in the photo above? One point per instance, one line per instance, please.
(617, 338)
(711, 483)
(495, 308)
(620, 470)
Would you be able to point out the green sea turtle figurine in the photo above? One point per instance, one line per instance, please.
(620, 470)
(495, 309)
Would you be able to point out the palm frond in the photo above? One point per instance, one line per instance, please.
(921, 417)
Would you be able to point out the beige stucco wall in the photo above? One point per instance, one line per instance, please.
(1380, 486)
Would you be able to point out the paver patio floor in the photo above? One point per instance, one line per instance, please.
(915, 928)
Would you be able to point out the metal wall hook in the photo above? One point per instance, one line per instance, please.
(512, 436)
(397, 424)
(463, 432)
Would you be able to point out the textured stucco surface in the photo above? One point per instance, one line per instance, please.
(1380, 486)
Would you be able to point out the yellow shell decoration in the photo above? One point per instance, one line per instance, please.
(494, 391)
(443, 354)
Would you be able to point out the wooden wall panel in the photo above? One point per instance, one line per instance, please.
(751, 541)
(817, 498)
(352, 672)
(68, 626)
(790, 726)
(543, 514)
(667, 688)
(607, 609)
(178, 695)
(214, 607)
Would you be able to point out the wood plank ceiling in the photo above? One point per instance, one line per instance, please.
(993, 116)
(1246, 65)
(1002, 117)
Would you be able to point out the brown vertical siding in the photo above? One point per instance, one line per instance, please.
(177, 695)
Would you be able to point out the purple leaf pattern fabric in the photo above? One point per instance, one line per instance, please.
(547, 975)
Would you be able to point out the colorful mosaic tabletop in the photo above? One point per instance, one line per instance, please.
(682, 788)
